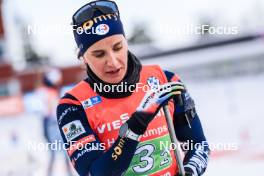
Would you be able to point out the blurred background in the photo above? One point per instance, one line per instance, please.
(216, 46)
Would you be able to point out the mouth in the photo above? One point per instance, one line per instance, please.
(113, 72)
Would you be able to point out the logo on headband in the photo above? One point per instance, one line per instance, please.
(102, 29)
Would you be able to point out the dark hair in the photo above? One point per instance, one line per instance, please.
(79, 54)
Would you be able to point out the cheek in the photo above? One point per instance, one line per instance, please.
(125, 62)
(97, 66)
(123, 58)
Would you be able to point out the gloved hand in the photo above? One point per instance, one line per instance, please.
(153, 100)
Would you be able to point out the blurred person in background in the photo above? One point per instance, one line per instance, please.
(119, 131)
(48, 95)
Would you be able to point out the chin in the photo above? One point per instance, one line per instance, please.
(113, 81)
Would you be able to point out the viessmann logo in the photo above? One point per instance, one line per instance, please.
(73, 130)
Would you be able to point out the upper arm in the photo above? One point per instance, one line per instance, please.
(81, 143)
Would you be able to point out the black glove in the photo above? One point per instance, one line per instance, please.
(153, 100)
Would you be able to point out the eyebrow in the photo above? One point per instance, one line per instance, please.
(117, 43)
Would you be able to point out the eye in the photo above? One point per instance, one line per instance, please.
(99, 54)
(118, 47)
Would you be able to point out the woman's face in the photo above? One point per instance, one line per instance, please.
(107, 58)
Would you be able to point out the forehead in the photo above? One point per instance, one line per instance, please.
(107, 42)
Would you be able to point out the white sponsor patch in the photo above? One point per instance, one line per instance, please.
(91, 102)
(73, 130)
(102, 29)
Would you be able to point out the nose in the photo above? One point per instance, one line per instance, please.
(112, 60)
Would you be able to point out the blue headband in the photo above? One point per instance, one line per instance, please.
(98, 28)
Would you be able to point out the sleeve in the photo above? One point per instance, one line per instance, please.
(189, 130)
(86, 152)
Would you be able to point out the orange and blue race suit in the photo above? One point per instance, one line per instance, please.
(89, 125)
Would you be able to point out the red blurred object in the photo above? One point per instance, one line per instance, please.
(11, 106)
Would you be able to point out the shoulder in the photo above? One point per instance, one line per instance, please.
(69, 107)
(171, 76)
(69, 99)
(80, 91)
(151, 67)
